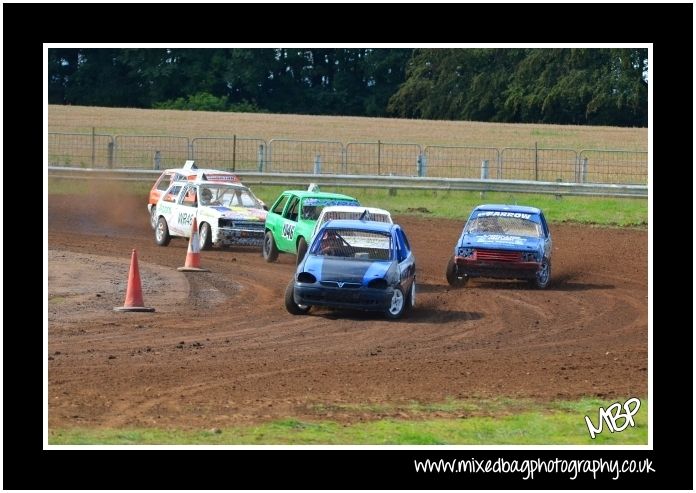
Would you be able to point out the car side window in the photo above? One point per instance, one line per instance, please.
(544, 226)
(278, 207)
(189, 197)
(405, 241)
(292, 208)
(173, 194)
(164, 182)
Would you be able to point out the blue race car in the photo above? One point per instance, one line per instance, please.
(364, 265)
(504, 242)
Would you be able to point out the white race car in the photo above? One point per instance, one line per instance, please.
(227, 214)
(351, 212)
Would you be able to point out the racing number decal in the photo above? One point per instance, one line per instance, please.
(288, 231)
(185, 218)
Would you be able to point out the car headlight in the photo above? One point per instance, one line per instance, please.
(377, 284)
(530, 257)
(465, 252)
(306, 277)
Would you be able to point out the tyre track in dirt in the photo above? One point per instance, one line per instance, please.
(226, 351)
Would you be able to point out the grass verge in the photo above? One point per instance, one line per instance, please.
(473, 422)
(624, 212)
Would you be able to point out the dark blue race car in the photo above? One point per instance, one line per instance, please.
(364, 265)
(504, 242)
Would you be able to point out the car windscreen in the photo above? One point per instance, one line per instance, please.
(375, 216)
(353, 243)
(312, 207)
(503, 225)
(229, 197)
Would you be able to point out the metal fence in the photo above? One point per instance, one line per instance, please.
(355, 158)
(382, 158)
(305, 156)
(236, 154)
(82, 150)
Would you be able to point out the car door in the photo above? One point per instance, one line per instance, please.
(407, 264)
(185, 210)
(166, 207)
(286, 239)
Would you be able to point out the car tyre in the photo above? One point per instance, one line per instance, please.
(205, 237)
(153, 216)
(397, 305)
(543, 275)
(452, 275)
(412, 295)
(270, 250)
(301, 250)
(290, 304)
(162, 236)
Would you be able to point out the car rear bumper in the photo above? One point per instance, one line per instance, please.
(498, 270)
(360, 298)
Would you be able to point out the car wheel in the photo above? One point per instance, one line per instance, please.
(162, 236)
(452, 274)
(290, 304)
(301, 250)
(543, 275)
(153, 217)
(205, 237)
(412, 295)
(397, 304)
(270, 250)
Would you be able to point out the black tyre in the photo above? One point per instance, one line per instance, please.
(153, 216)
(398, 304)
(270, 250)
(162, 236)
(411, 296)
(205, 237)
(452, 274)
(543, 276)
(290, 304)
(301, 250)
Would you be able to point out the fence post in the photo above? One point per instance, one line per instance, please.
(536, 161)
(420, 164)
(92, 147)
(317, 165)
(157, 160)
(583, 176)
(484, 173)
(261, 158)
(234, 152)
(110, 154)
(344, 159)
(379, 152)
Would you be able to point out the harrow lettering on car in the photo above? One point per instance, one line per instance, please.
(504, 214)
(185, 218)
(288, 230)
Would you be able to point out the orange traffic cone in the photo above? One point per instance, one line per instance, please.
(193, 254)
(134, 293)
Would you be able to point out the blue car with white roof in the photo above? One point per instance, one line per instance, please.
(358, 264)
(503, 242)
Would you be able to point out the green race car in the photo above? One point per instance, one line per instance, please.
(291, 219)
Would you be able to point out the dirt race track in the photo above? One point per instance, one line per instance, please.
(221, 350)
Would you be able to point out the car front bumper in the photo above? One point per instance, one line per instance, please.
(359, 298)
(238, 236)
(497, 270)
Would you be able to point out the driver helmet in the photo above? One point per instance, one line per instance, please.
(206, 196)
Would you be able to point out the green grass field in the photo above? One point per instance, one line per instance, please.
(626, 212)
(489, 422)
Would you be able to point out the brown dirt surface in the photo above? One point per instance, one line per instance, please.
(221, 350)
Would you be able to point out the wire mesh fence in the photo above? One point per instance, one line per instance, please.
(382, 158)
(93, 150)
(235, 154)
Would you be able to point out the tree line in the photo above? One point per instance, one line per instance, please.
(596, 86)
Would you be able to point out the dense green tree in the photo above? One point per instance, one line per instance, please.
(578, 85)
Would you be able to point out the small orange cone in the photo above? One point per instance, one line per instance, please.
(193, 254)
(134, 293)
